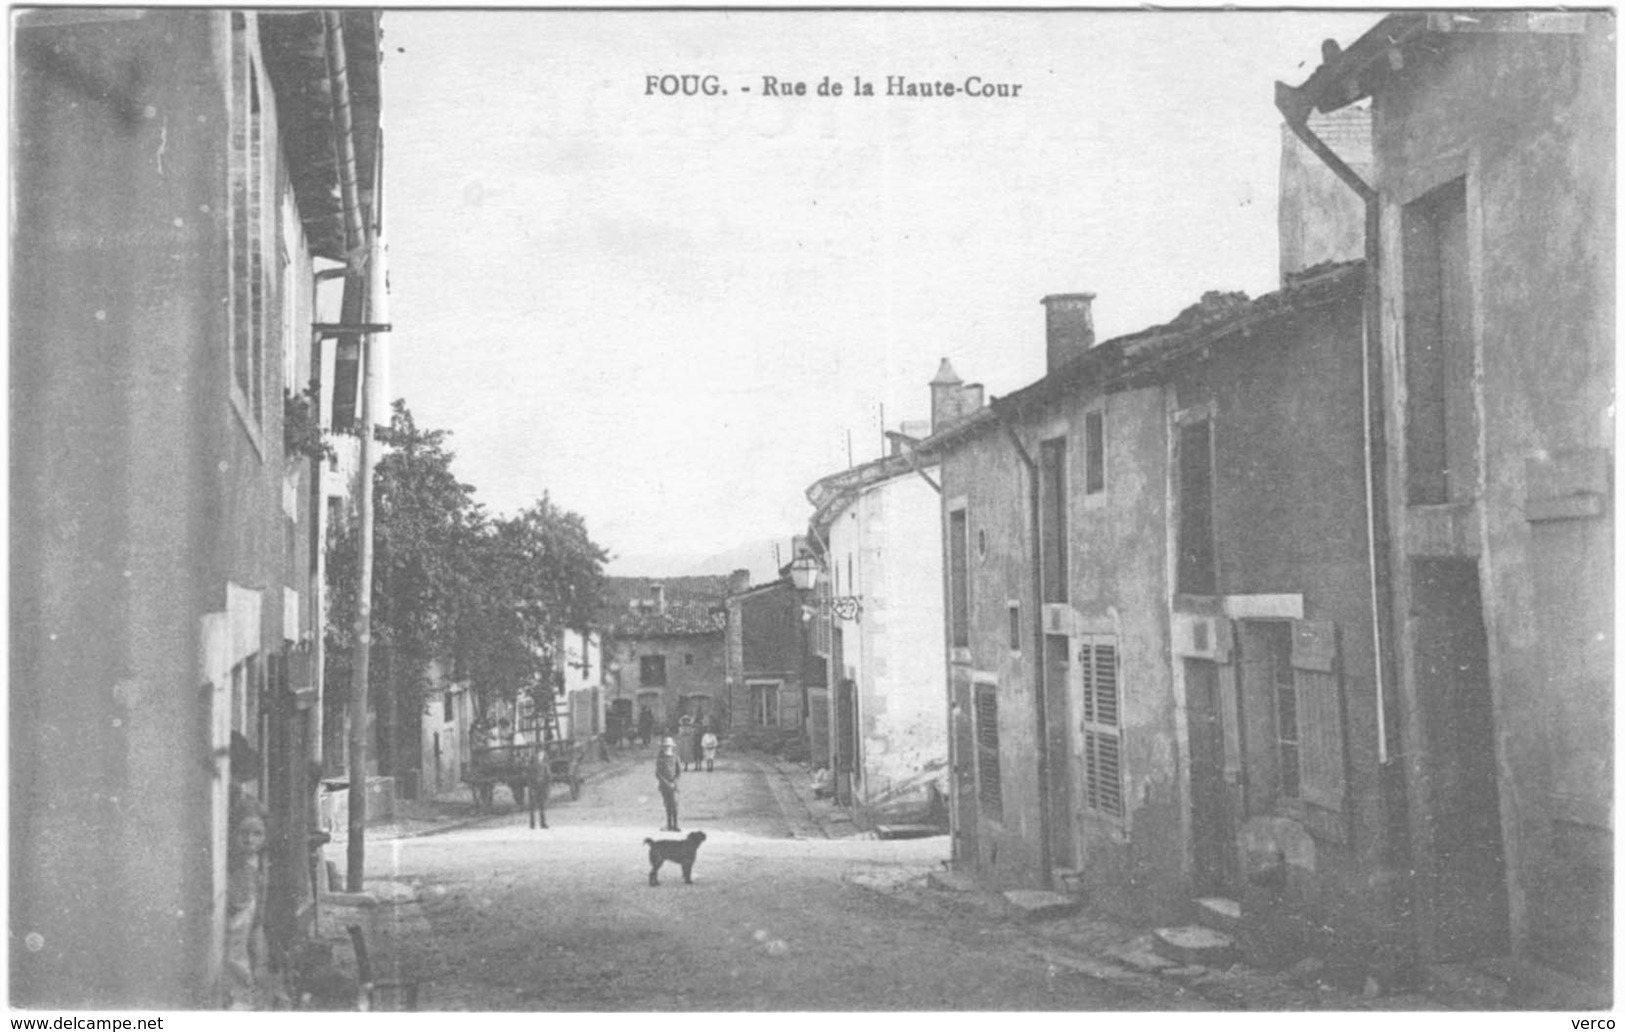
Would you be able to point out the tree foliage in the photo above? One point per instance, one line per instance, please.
(486, 596)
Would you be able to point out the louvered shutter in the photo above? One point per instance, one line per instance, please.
(989, 791)
(1102, 734)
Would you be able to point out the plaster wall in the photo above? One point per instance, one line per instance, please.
(137, 496)
(894, 652)
(1528, 120)
(983, 476)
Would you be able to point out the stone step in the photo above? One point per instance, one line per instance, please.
(1193, 944)
(1038, 905)
(951, 881)
(1219, 914)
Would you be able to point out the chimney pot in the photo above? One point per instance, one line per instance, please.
(1069, 328)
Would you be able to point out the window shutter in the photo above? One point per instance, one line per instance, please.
(1320, 712)
(1102, 736)
(989, 791)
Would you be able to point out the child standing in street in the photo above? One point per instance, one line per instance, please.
(667, 771)
(709, 744)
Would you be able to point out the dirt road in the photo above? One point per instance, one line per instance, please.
(499, 917)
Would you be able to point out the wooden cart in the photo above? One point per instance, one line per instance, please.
(508, 763)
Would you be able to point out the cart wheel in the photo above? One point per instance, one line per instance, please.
(575, 788)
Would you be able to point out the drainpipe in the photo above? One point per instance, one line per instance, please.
(357, 251)
(1040, 704)
(1295, 106)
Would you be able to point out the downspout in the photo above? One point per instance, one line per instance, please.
(357, 251)
(1295, 105)
(1039, 700)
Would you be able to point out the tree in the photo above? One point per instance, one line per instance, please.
(539, 573)
(491, 596)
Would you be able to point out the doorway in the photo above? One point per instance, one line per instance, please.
(846, 739)
(1058, 691)
(1213, 839)
(1466, 888)
(964, 784)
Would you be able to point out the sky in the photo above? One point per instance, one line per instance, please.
(672, 313)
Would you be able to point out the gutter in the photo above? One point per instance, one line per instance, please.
(1039, 688)
(1295, 106)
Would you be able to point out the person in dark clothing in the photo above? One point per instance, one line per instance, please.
(667, 771)
(646, 725)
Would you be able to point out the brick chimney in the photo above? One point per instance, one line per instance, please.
(660, 597)
(1069, 328)
(945, 396)
(738, 582)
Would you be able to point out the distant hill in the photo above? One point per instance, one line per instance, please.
(755, 556)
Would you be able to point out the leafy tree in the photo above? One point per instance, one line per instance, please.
(451, 583)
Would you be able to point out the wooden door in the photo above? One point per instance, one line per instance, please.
(1213, 839)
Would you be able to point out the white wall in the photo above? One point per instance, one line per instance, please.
(892, 538)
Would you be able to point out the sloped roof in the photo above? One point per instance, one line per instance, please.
(694, 605)
(294, 47)
(1139, 356)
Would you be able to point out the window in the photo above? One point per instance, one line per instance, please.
(1102, 733)
(1289, 677)
(688, 659)
(1196, 566)
(1094, 453)
(988, 790)
(959, 577)
(248, 238)
(652, 671)
(1015, 627)
(765, 704)
(1440, 439)
(1052, 518)
(445, 707)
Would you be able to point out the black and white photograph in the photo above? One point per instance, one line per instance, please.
(711, 511)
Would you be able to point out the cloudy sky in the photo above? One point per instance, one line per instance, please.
(672, 312)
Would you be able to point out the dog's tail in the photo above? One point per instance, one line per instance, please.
(648, 841)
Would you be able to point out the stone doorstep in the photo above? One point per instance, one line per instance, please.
(1038, 905)
(1219, 914)
(952, 881)
(1195, 945)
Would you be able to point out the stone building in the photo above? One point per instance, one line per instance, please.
(664, 648)
(177, 204)
(1491, 206)
(877, 532)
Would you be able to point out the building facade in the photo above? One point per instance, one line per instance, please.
(174, 205)
(664, 648)
(1160, 604)
(1492, 205)
(877, 531)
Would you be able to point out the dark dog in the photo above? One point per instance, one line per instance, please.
(678, 851)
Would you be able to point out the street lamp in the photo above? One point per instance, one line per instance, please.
(804, 575)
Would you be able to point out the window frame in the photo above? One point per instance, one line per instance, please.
(959, 593)
(1052, 508)
(649, 662)
(1094, 452)
(250, 170)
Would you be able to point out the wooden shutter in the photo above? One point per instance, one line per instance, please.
(1320, 713)
(988, 788)
(1102, 733)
